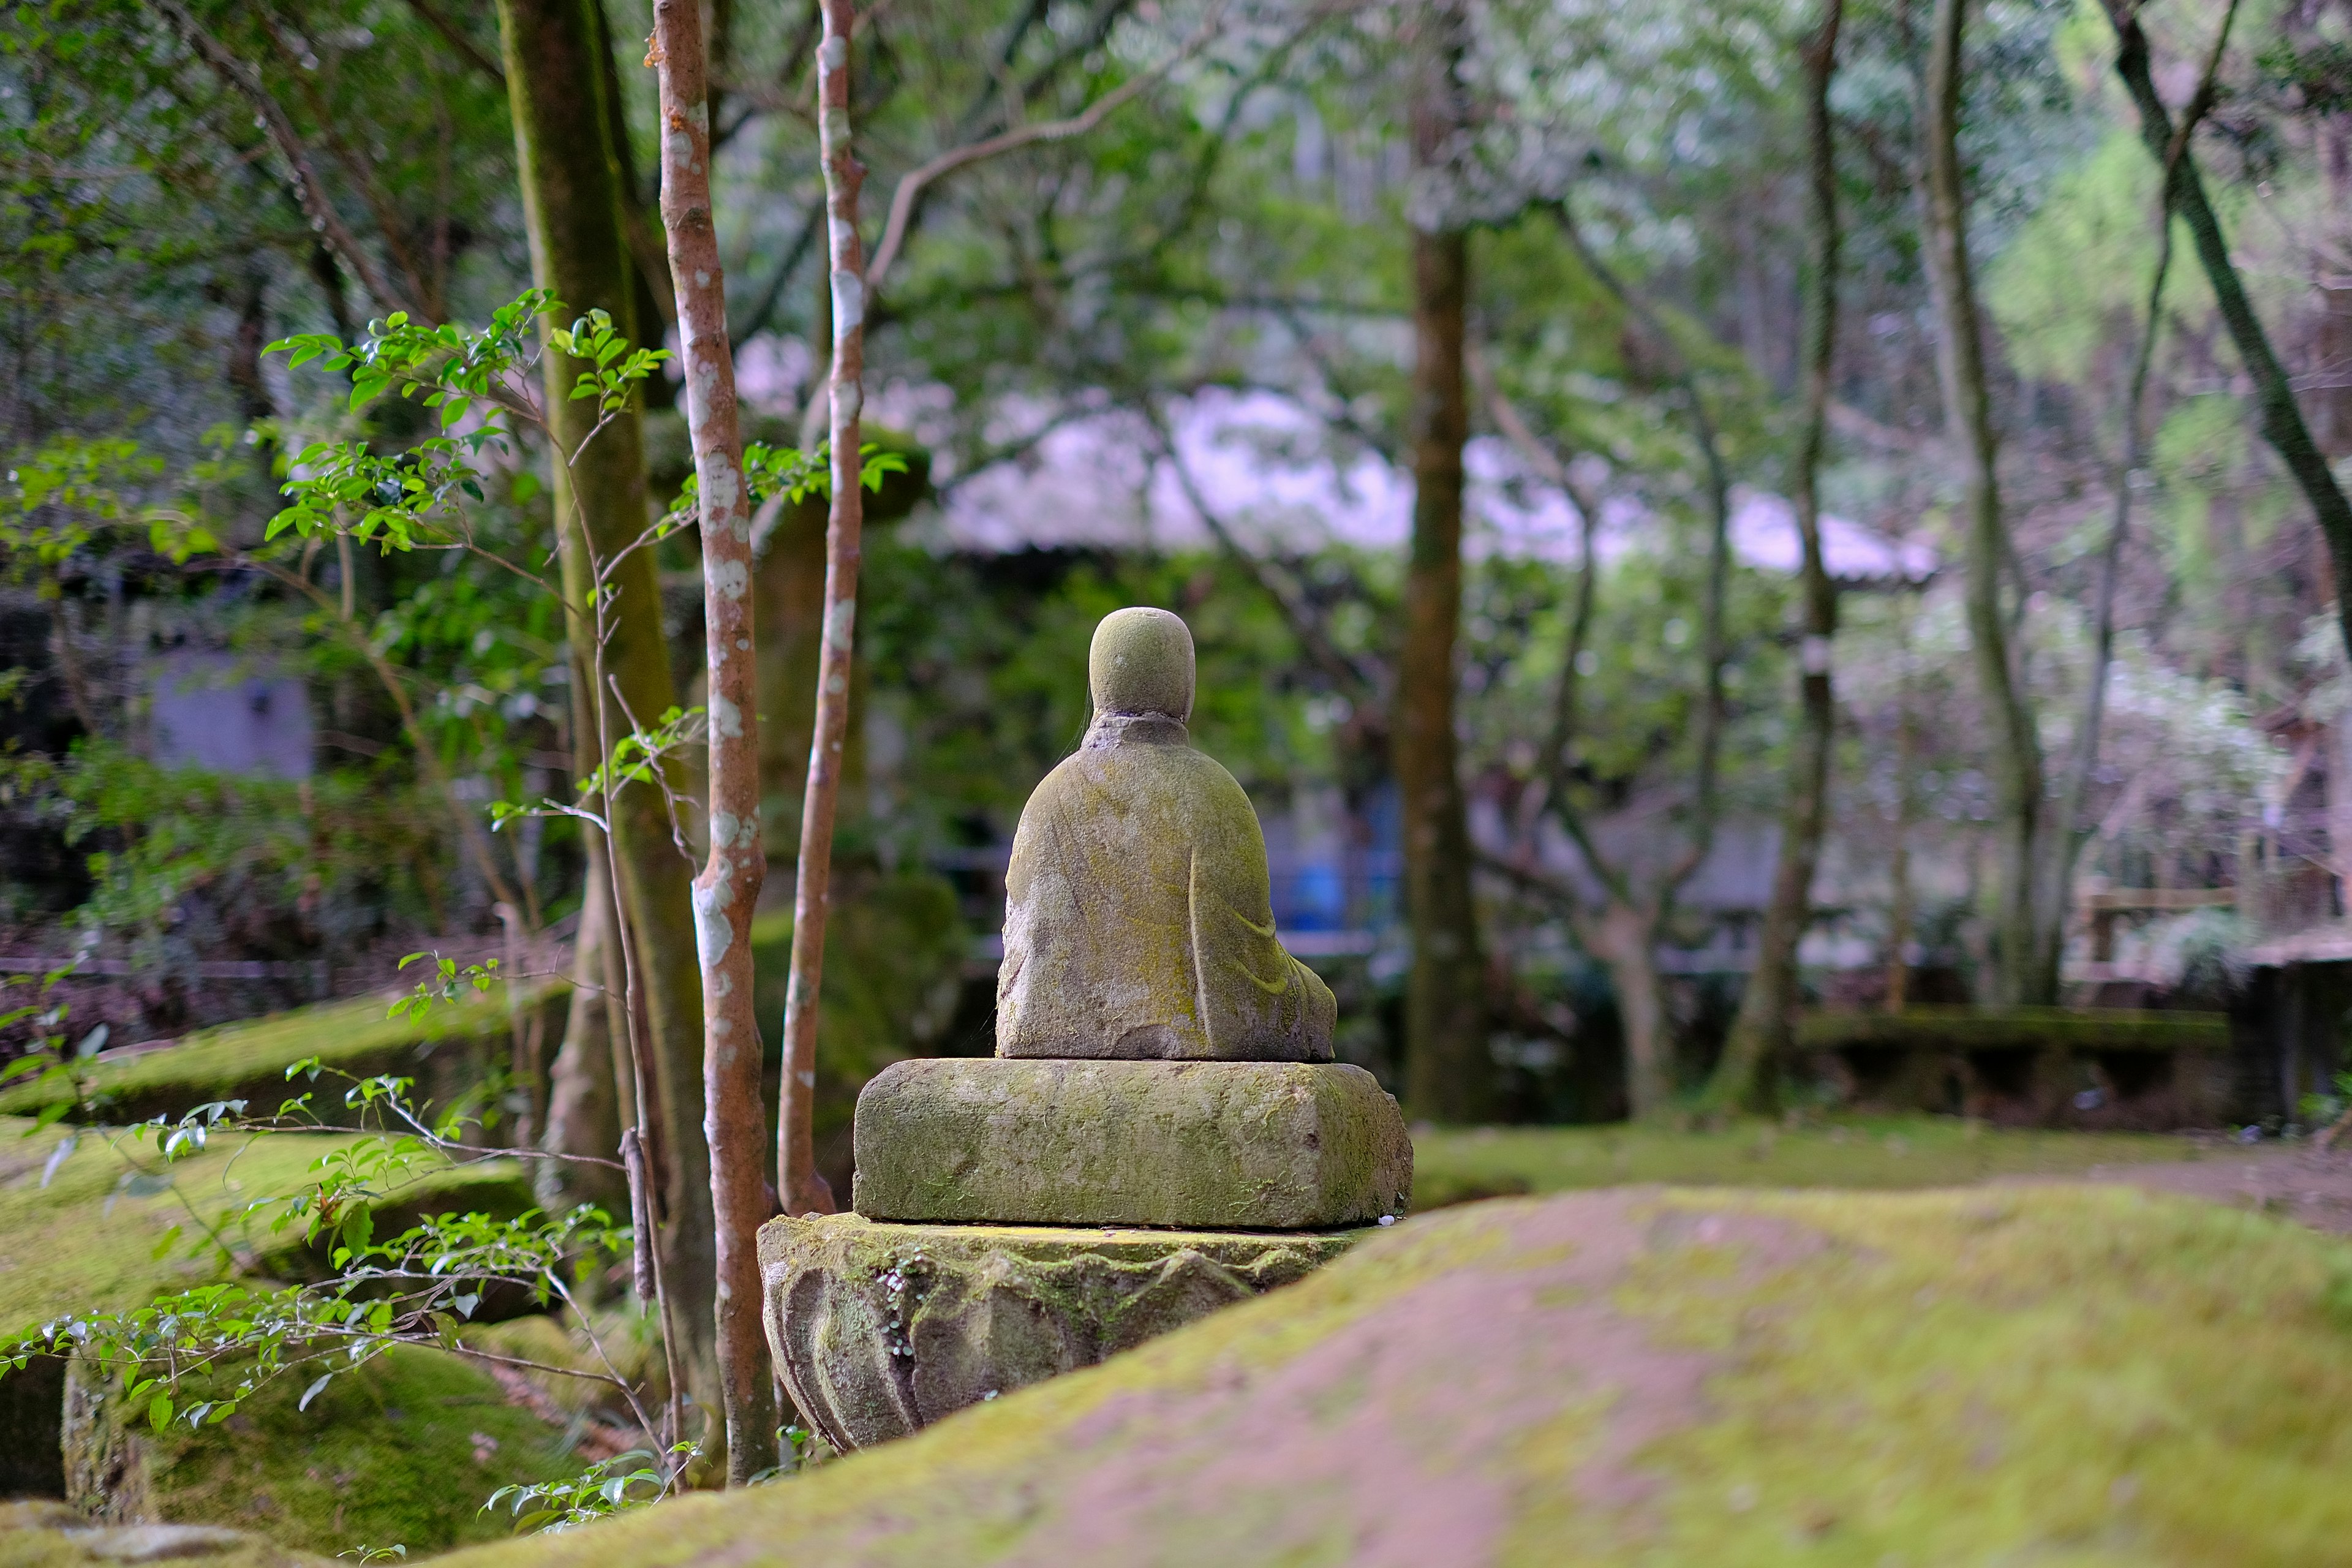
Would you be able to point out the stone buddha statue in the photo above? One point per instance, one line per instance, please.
(1138, 922)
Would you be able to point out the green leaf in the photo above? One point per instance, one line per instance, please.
(312, 1391)
(159, 1412)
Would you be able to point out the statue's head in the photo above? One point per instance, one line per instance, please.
(1141, 663)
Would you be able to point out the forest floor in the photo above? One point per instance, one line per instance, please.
(406, 1453)
(2054, 1373)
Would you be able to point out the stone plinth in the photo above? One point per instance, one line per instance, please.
(1214, 1145)
(879, 1329)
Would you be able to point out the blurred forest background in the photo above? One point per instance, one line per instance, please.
(1277, 313)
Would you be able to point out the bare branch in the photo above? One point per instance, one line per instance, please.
(241, 78)
(455, 37)
(912, 184)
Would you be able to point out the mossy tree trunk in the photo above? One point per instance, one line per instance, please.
(2025, 956)
(587, 1103)
(572, 208)
(2283, 425)
(1448, 1076)
(1760, 1032)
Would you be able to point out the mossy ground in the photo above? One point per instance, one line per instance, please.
(1455, 1165)
(387, 1454)
(248, 1060)
(402, 1451)
(2043, 1374)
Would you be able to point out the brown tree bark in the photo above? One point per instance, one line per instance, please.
(734, 1119)
(1761, 1033)
(571, 210)
(1448, 1074)
(587, 1104)
(2025, 967)
(804, 1191)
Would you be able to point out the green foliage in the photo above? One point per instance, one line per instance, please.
(417, 497)
(156, 836)
(599, 1491)
(795, 475)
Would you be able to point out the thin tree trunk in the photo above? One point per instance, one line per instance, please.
(572, 211)
(2283, 421)
(1624, 936)
(734, 1121)
(1761, 1033)
(2021, 973)
(584, 1091)
(1906, 753)
(2057, 890)
(1448, 1074)
(804, 1191)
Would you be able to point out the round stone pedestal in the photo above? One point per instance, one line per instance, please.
(878, 1329)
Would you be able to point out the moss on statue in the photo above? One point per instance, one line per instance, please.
(1138, 919)
(879, 1329)
(1227, 1145)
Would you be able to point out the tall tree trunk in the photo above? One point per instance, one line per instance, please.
(804, 1191)
(572, 209)
(2283, 421)
(734, 1119)
(1906, 801)
(1760, 1032)
(2025, 968)
(1448, 1076)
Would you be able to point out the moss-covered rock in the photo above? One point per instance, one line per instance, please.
(1201, 1145)
(2047, 1375)
(48, 1535)
(1960, 1029)
(444, 1051)
(879, 1329)
(377, 1460)
(2051, 1066)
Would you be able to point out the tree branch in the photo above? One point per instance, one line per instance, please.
(241, 80)
(912, 184)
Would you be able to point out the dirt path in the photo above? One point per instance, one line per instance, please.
(1369, 1420)
(2292, 1181)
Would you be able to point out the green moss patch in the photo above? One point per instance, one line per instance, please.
(2042, 1374)
(247, 1061)
(89, 1238)
(1995, 1028)
(1457, 1165)
(385, 1456)
(402, 1451)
